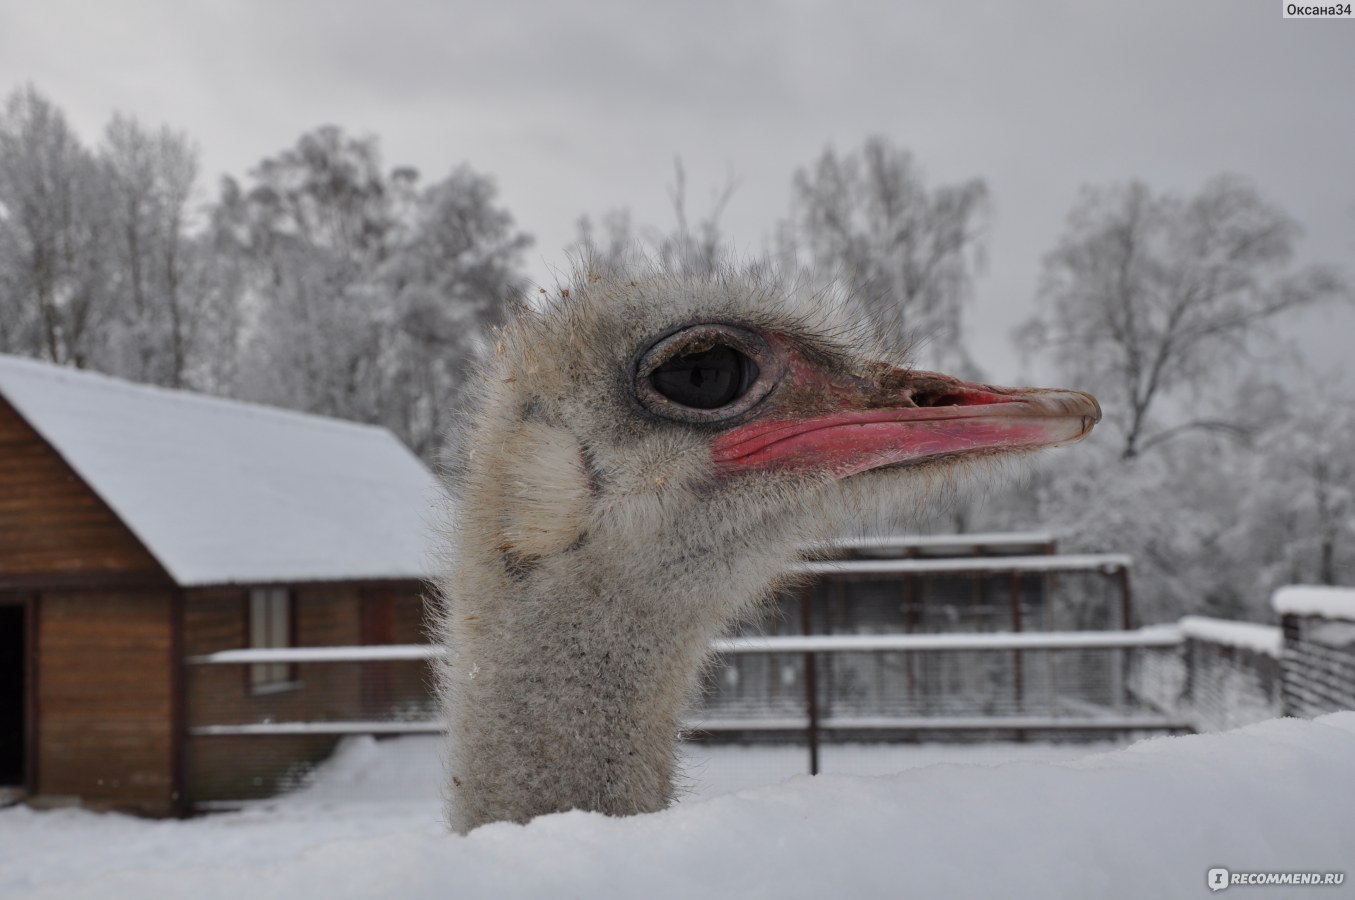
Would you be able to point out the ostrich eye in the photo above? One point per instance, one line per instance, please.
(708, 374)
(709, 379)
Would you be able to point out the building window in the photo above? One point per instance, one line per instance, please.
(270, 627)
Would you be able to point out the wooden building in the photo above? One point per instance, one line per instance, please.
(140, 526)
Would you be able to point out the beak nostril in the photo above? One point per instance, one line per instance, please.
(955, 398)
(948, 398)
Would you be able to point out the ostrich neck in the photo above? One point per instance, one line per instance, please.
(566, 688)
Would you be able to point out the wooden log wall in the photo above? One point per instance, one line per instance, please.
(105, 699)
(51, 523)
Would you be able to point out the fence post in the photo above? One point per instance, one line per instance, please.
(1126, 601)
(1120, 660)
(1018, 674)
(1289, 665)
(811, 685)
(909, 617)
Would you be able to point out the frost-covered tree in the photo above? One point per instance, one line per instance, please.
(454, 264)
(691, 247)
(1156, 302)
(607, 242)
(364, 293)
(1148, 297)
(1214, 523)
(158, 275)
(53, 264)
(1150, 300)
(1296, 522)
(323, 283)
(101, 262)
(1165, 510)
(869, 220)
(312, 226)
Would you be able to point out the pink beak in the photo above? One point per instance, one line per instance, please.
(898, 416)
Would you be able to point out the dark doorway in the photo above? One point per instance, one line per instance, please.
(12, 691)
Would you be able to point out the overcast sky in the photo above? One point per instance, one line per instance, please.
(578, 108)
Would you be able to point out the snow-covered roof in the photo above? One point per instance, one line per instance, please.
(225, 492)
(1315, 600)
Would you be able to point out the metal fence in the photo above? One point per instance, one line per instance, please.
(1226, 674)
(935, 682)
(1319, 642)
(1044, 592)
(248, 741)
(1319, 665)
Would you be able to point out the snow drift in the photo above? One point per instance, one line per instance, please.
(1148, 821)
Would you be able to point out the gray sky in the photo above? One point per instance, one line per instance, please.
(582, 107)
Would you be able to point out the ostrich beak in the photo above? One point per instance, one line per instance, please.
(896, 417)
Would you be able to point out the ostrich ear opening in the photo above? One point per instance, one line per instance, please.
(546, 490)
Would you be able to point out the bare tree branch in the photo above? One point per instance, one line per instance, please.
(1148, 296)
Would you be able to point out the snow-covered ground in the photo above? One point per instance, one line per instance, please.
(996, 820)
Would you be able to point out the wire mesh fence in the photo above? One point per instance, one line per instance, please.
(1319, 665)
(936, 682)
(1229, 686)
(1013, 593)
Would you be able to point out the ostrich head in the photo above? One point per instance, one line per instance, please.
(644, 459)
